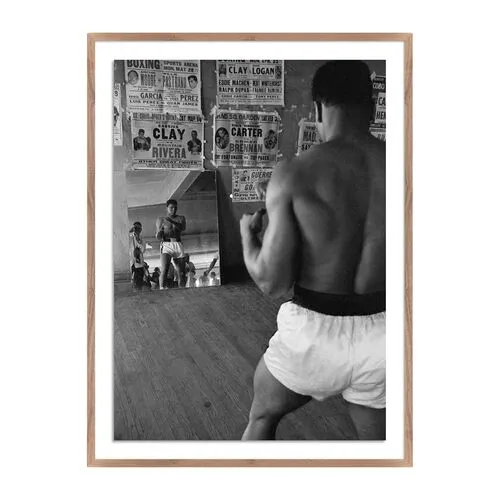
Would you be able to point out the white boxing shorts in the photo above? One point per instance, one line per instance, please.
(320, 354)
(173, 248)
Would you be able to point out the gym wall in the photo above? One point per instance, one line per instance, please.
(298, 104)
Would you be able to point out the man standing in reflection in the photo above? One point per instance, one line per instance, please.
(168, 231)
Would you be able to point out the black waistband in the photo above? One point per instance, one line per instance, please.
(339, 305)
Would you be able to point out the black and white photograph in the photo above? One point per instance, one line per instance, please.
(267, 288)
(250, 287)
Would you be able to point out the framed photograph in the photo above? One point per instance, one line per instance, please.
(245, 192)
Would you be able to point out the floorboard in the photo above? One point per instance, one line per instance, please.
(184, 361)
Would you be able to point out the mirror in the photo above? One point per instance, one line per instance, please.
(174, 245)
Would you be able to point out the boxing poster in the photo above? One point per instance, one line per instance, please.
(245, 138)
(378, 83)
(155, 86)
(378, 122)
(162, 141)
(378, 132)
(117, 115)
(308, 136)
(245, 183)
(259, 83)
(380, 109)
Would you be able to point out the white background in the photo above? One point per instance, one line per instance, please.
(456, 271)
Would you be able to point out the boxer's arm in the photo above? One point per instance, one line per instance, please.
(178, 224)
(159, 229)
(272, 263)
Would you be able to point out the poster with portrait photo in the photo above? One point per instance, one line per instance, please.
(158, 86)
(166, 141)
(258, 82)
(245, 138)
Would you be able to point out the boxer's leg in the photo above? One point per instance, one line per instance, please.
(179, 275)
(165, 259)
(369, 422)
(271, 402)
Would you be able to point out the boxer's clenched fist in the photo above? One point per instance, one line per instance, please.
(252, 222)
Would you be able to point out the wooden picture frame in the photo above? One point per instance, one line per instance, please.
(93, 38)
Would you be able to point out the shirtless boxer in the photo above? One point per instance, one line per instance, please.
(168, 231)
(326, 240)
(142, 143)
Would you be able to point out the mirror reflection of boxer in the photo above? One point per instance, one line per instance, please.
(142, 143)
(168, 231)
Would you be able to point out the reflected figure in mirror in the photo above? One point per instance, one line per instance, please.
(168, 230)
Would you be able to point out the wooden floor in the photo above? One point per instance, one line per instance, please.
(184, 361)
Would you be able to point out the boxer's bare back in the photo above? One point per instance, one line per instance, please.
(326, 227)
(338, 196)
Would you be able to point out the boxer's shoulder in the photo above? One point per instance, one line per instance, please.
(284, 177)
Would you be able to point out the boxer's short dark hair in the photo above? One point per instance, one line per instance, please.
(343, 82)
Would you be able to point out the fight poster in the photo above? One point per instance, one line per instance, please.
(259, 83)
(378, 132)
(245, 183)
(378, 122)
(166, 141)
(117, 115)
(245, 138)
(308, 136)
(154, 86)
(380, 109)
